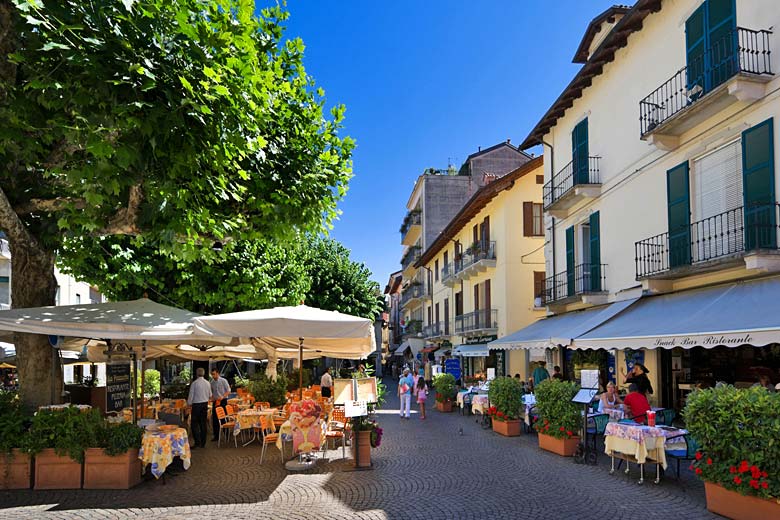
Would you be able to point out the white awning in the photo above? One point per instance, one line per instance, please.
(471, 351)
(559, 330)
(744, 313)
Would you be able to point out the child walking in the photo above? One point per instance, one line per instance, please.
(421, 390)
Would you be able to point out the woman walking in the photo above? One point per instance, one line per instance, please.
(421, 391)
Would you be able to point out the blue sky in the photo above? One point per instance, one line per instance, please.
(427, 82)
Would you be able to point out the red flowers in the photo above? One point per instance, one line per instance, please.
(698, 471)
(569, 433)
(733, 469)
(737, 480)
(753, 483)
(562, 429)
(743, 466)
(699, 455)
(765, 485)
(709, 461)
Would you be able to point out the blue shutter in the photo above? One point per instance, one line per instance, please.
(695, 45)
(570, 277)
(758, 186)
(579, 152)
(721, 41)
(595, 253)
(679, 215)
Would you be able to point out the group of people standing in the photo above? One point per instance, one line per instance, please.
(201, 393)
(409, 386)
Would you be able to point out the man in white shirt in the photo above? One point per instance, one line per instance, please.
(200, 393)
(220, 389)
(326, 384)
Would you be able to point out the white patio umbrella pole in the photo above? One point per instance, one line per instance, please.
(143, 375)
(300, 369)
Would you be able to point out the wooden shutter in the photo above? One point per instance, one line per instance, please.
(721, 41)
(528, 219)
(595, 252)
(570, 276)
(476, 306)
(487, 295)
(579, 152)
(475, 234)
(436, 314)
(538, 284)
(695, 45)
(679, 215)
(759, 188)
(458, 303)
(446, 316)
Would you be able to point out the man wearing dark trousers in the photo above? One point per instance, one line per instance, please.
(220, 389)
(200, 393)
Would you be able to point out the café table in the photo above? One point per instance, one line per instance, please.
(639, 443)
(159, 447)
(250, 419)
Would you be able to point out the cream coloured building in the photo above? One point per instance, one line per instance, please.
(484, 265)
(660, 185)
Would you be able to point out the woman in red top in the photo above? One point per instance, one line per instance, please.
(636, 404)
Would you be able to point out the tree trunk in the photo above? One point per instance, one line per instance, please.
(33, 285)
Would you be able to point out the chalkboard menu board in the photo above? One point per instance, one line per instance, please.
(118, 387)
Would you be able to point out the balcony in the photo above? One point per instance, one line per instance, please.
(438, 330)
(482, 321)
(448, 275)
(411, 256)
(716, 243)
(573, 184)
(415, 294)
(411, 227)
(476, 259)
(735, 68)
(412, 329)
(586, 283)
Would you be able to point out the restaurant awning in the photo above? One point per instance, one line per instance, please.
(560, 329)
(743, 313)
(432, 348)
(471, 351)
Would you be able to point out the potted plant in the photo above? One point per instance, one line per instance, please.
(506, 399)
(58, 439)
(265, 389)
(366, 434)
(444, 385)
(114, 464)
(15, 464)
(739, 456)
(559, 418)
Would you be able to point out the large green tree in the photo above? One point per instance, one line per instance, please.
(174, 123)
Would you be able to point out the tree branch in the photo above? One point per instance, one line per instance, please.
(12, 225)
(125, 222)
(49, 205)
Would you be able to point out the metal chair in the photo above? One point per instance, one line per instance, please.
(665, 417)
(689, 453)
(600, 422)
(225, 424)
(269, 436)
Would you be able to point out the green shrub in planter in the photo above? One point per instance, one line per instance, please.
(444, 384)
(14, 422)
(506, 396)
(558, 416)
(263, 388)
(738, 431)
(117, 439)
(69, 431)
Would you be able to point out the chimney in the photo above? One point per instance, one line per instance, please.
(508, 141)
(479, 148)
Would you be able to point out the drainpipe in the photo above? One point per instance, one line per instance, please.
(552, 174)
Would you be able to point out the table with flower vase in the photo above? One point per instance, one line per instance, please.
(480, 403)
(160, 446)
(250, 419)
(639, 443)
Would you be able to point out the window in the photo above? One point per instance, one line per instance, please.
(538, 288)
(533, 219)
(446, 260)
(710, 45)
(78, 298)
(436, 315)
(446, 316)
(436, 270)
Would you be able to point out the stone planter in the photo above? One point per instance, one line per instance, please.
(53, 471)
(15, 470)
(103, 471)
(563, 447)
(508, 428)
(738, 507)
(362, 446)
(445, 406)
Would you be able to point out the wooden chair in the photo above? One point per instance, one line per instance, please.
(308, 394)
(269, 436)
(337, 429)
(227, 425)
(316, 388)
(262, 405)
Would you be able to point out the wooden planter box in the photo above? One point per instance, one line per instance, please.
(103, 471)
(563, 447)
(53, 471)
(15, 470)
(445, 406)
(363, 446)
(738, 507)
(508, 428)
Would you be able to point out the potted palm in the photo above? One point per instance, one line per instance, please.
(559, 418)
(444, 385)
(738, 459)
(114, 464)
(506, 399)
(15, 464)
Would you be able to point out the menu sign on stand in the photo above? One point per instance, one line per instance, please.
(355, 409)
(118, 387)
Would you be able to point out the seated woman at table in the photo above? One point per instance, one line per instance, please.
(636, 404)
(609, 400)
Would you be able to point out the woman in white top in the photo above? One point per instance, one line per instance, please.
(610, 399)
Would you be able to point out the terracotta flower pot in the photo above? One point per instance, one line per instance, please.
(444, 406)
(738, 507)
(15, 470)
(103, 471)
(564, 447)
(362, 446)
(507, 428)
(53, 471)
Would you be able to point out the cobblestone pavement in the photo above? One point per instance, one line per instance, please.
(424, 469)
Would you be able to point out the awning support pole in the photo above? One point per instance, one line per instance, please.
(300, 369)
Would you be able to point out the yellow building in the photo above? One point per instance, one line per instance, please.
(485, 266)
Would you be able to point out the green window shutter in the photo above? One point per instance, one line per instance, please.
(758, 186)
(721, 41)
(579, 152)
(695, 44)
(595, 253)
(679, 215)
(570, 277)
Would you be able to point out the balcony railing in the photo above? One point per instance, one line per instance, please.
(482, 319)
(413, 218)
(482, 251)
(583, 279)
(570, 176)
(413, 327)
(447, 272)
(728, 233)
(740, 51)
(415, 291)
(411, 256)
(435, 330)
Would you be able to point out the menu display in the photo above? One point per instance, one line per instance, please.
(118, 387)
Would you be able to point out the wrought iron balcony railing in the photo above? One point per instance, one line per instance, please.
(482, 319)
(571, 175)
(435, 330)
(583, 279)
(480, 251)
(415, 291)
(728, 233)
(413, 218)
(412, 328)
(411, 256)
(740, 51)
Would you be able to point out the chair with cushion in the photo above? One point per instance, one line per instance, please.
(338, 428)
(689, 453)
(665, 417)
(597, 424)
(269, 436)
(226, 426)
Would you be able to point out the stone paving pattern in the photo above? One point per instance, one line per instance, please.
(424, 469)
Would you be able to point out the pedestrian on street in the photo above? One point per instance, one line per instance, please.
(421, 391)
(405, 386)
(326, 384)
(200, 392)
(220, 389)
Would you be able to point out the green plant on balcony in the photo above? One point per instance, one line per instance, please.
(474, 248)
